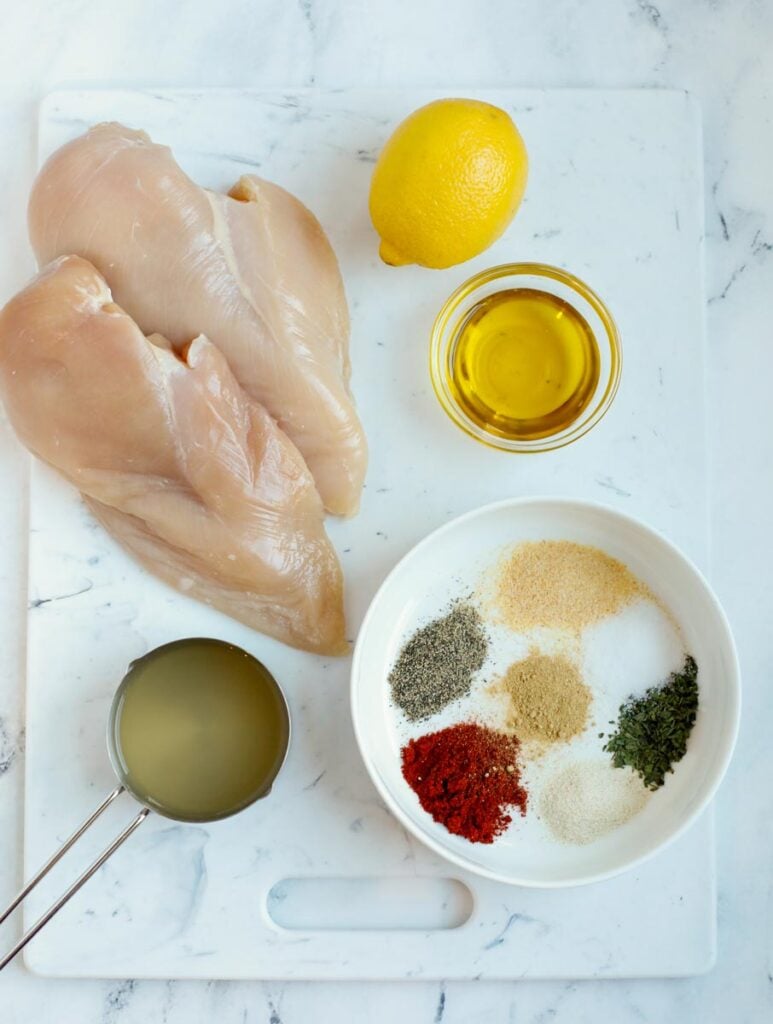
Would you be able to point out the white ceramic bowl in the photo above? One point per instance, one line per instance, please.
(456, 553)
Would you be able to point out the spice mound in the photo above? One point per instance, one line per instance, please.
(653, 730)
(547, 699)
(561, 585)
(467, 778)
(586, 800)
(437, 664)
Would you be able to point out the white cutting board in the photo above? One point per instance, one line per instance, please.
(615, 194)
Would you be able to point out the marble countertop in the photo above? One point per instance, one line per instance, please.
(717, 49)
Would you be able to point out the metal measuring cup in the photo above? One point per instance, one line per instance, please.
(125, 785)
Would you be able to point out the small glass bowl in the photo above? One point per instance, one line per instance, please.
(541, 277)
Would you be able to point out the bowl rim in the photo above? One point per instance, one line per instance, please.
(719, 765)
(578, 428)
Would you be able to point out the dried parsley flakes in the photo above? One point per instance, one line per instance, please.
(653, 730)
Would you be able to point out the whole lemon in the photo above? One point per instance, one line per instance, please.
(447, 183)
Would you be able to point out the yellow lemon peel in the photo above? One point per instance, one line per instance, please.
(447, 183)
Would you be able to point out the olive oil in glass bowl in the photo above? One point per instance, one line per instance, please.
(525, 357)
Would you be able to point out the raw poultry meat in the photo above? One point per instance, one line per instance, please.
(252, 270)
(187, 471)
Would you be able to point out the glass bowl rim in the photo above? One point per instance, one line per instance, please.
(439, 342)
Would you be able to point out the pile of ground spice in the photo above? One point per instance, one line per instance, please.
(588, 799)
(437, 664)
(547, 699)
(560, 585)
(467, 777)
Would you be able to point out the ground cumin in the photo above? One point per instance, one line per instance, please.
(546, 697)
(560, 585)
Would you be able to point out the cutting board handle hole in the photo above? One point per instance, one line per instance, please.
(369, 904)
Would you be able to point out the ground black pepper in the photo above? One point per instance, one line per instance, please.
(437, 664)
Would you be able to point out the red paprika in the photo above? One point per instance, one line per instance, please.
(467, 777)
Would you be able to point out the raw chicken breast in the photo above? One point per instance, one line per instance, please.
(188, 472)
(253, 270)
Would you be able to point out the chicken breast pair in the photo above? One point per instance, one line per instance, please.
(182, 358)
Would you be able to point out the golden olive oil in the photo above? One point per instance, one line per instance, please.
(524, 364)
(202, 730)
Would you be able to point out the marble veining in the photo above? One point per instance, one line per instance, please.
(9, 748)
(716, 48)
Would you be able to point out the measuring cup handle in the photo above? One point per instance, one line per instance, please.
(41, 874)
(69, 893)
